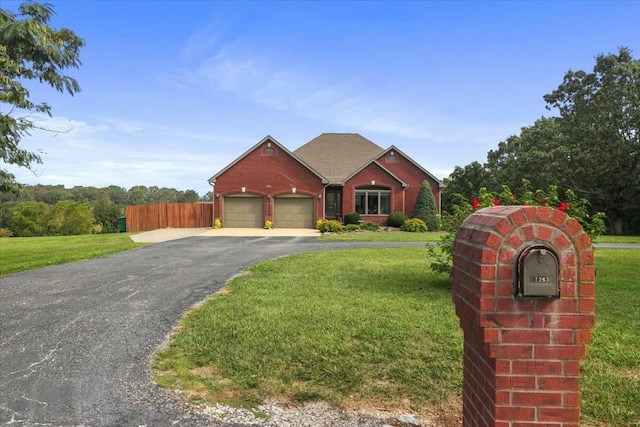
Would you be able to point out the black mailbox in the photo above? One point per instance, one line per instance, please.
(537, 273)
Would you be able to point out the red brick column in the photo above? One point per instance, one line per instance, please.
(522, 355)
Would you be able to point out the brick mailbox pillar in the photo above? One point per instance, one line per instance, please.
(524, 288)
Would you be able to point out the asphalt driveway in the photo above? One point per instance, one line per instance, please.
(76, 339)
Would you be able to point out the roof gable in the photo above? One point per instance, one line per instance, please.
(375, 162)
(337, 155)
(395, 150)
(272, 140)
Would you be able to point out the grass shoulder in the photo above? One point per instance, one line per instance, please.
(383, 236)
(617, 239)
(28, 253)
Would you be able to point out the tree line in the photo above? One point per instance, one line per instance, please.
(591, 147)
(50, 210)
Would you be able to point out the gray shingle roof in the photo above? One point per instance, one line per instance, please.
(337, 155)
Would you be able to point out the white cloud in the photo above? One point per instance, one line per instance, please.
(115, 151)
(200, 43)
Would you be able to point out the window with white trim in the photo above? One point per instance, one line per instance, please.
(373, 201)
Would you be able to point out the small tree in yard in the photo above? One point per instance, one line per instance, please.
(425, 208)
(71, 218)
(106, 213)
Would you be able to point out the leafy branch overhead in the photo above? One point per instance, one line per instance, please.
(30, 50)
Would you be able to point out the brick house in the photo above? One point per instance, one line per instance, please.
(331, 175)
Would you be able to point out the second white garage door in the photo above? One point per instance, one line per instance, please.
(293, 212)
(243, 212)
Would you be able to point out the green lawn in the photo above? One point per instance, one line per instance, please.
(611, 372)
(376, 328)
(371, 326)
(381, 236)
(617, 239)
(27, 253)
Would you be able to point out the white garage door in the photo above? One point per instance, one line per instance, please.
(293, 212)
(243, 212)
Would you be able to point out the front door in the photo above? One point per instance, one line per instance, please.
(333, 202)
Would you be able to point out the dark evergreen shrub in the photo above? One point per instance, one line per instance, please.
(396, 219)
(425, 208)
(351, 218)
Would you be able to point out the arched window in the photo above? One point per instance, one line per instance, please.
(392, 159)
(269, 151)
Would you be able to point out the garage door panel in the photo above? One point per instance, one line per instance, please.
(293, 212)
(243, 212)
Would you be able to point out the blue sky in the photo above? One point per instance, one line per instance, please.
(173, 91)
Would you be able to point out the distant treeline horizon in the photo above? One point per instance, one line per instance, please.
(136, 195)
(54, 210)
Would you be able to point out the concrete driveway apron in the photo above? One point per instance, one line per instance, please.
(76, 339)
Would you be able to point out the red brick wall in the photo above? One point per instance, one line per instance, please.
(521, 356)
(256, 170)
(412, 175)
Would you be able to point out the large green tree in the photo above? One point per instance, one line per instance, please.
(106, 213)
(71, 218)
(600, 118)
(189, 196)
(30, 219)
(465, 184)
(539, 154)
(30, 50)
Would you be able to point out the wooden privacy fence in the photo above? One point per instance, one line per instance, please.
(174, 215)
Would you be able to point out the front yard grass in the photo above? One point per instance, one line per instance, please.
(28, 253)
(610, 380)
(370, 327)
(376, 329)
(617, 239)
(383, 236)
